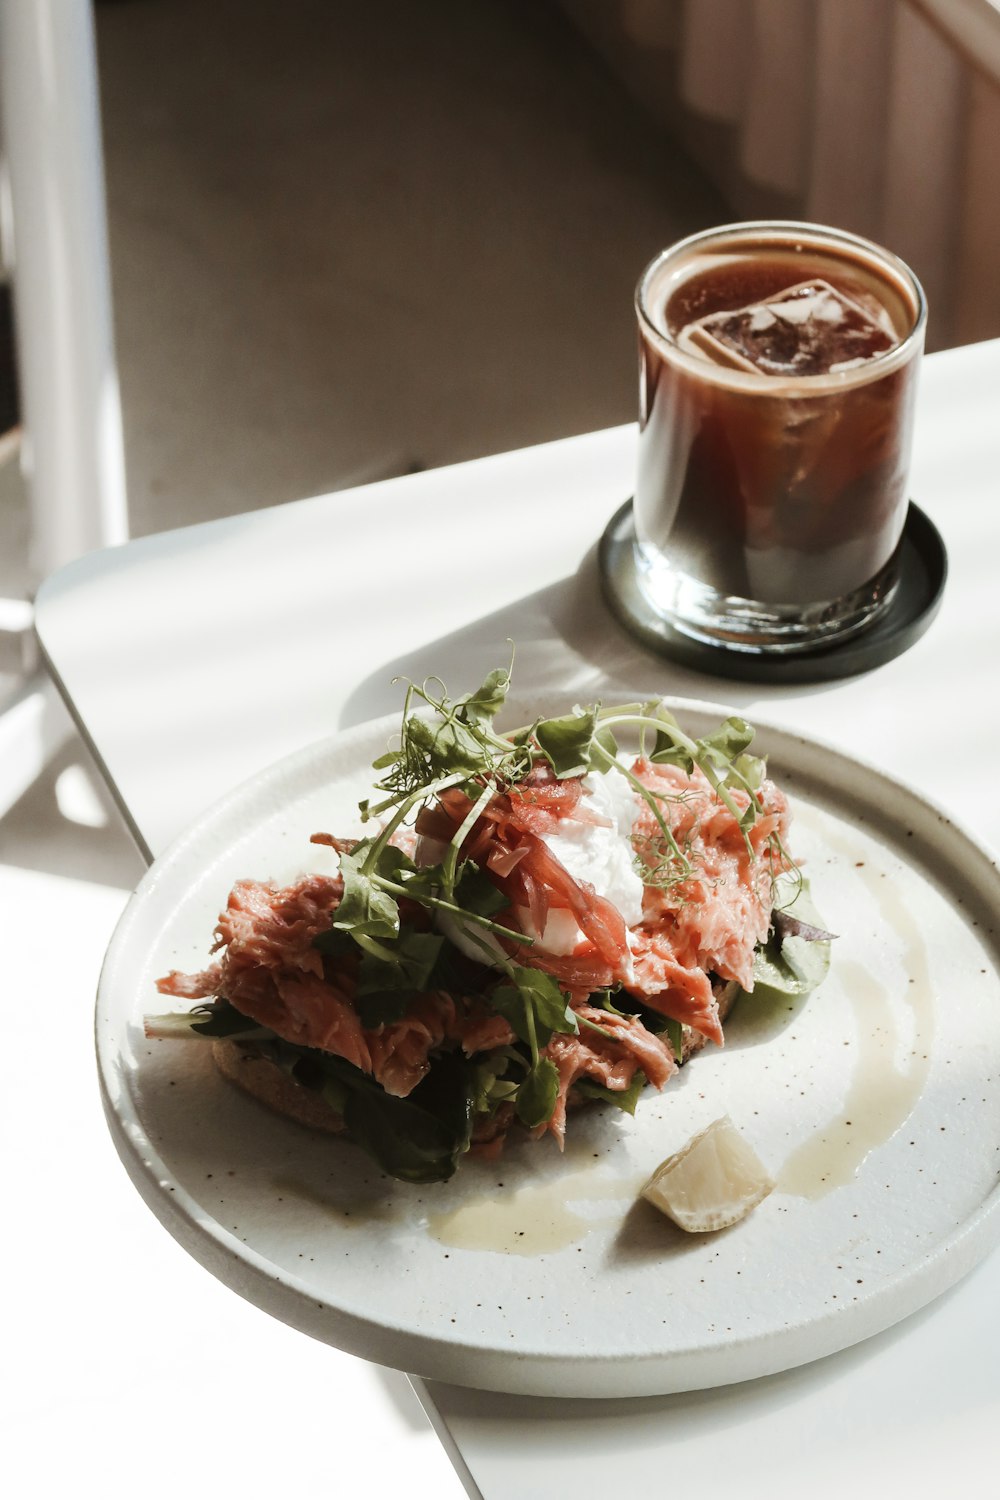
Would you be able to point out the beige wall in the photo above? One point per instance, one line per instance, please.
(878, 116)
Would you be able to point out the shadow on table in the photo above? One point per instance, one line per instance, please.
(639, 1421)
(567, 643)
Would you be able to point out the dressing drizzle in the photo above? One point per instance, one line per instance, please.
(892, 1060)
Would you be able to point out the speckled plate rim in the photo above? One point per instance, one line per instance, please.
(964, 865)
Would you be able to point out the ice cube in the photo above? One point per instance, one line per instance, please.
(808, 329)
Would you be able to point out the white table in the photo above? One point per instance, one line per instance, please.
(194, 658)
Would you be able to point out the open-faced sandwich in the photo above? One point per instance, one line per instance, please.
(539, 918)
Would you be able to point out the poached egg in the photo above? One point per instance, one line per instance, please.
(599, 853)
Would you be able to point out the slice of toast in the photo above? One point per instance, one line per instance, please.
(725, 993)
(272, 1086)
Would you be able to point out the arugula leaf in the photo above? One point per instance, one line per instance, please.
(550, 1005)
(792, 964)
(482, 706)
(565, 742)
(364, 908)
(392, 863)
(675, 1032)
(786, 969)
(447, 747)
(728, 741)
(476, 892)
(216, 1018)
(625, 1099)
(490, 1086)
(377, 875)
(418, 1139)
(222, 1019)
(511, 1004)
(414, 955)
(537, 1095)
(534, 1006)
(421, 883)
(334, 943)
(387, 986)
(382, 1007)
(408, 1139)
(382, 762)
(751, 769)
(670, 747)
(605, 739)
(334, 1093)
(601, 1000)
(568, 742)
(792, 896)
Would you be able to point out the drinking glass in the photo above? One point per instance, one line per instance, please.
(778, 373)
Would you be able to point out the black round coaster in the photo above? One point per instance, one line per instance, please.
(923, 570)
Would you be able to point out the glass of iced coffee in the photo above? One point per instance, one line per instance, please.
(778, 370)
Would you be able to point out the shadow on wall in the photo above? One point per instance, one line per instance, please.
(877, 116)
(377, 237)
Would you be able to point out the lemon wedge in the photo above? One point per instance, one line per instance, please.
(712, 1182)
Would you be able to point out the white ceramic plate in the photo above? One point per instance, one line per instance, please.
(875, 1104)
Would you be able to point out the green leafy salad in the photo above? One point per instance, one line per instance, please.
(540, 917)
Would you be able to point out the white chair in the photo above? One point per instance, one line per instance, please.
(54, 235)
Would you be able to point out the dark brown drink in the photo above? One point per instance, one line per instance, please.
(777, 381)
